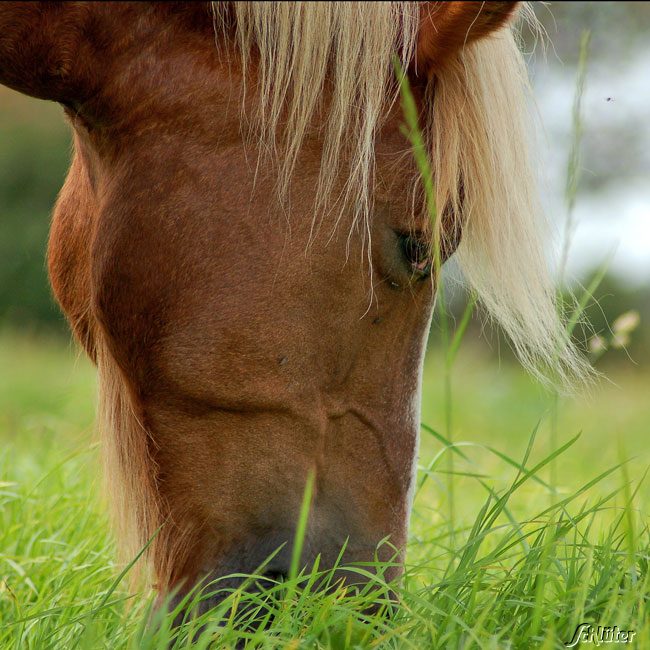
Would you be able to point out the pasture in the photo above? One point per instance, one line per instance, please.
(537, 543)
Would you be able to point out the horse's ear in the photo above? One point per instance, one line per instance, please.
(446, 27)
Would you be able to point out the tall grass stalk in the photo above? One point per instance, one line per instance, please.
(412, 131)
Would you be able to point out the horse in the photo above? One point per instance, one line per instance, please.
(242, 249)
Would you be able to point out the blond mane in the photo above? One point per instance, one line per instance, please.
(478, 124)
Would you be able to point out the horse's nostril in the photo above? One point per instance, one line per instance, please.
(275, 575)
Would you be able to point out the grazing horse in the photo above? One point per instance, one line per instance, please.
(242, 249)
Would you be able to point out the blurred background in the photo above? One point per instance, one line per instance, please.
(39, 377)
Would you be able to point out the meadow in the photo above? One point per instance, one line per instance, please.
(514, 544)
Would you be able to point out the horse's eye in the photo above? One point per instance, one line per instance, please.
(416, 250)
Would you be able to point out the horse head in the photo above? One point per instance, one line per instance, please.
(241, 245)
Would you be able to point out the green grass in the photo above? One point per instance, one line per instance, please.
(525, 566)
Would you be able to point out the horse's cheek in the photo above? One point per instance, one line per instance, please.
(68, 257)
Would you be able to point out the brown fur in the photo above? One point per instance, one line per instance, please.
(231, 362)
